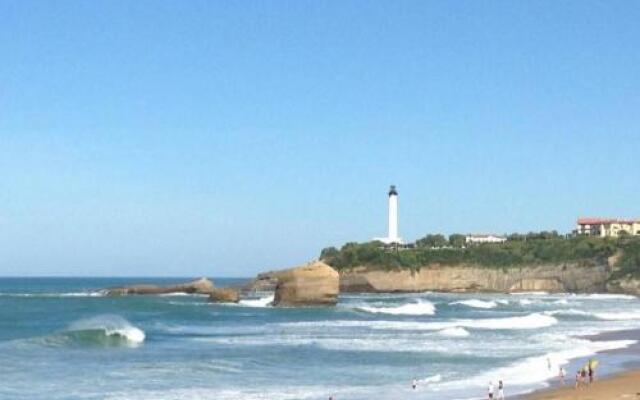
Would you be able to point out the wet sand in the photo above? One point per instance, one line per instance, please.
(624, 383)
(623, 386)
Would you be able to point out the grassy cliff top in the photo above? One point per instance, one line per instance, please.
(518, 251)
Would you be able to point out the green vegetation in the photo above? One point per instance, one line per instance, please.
(629, 263)
(518, 250)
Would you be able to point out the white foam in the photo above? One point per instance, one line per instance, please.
(607, 296)
(454, 332)
(246, 392)
(261, 302)
(529, 293)
(181, 294)
(618, 316)
(422, 307)
(475, 303)
(535, 369)
(530, 321)
(111, 325)
(131, 333)
(431, 379)
(570, 311)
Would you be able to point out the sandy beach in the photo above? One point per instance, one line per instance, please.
(623, 386)
(621, 369)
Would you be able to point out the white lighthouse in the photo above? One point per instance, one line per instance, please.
(392, 236)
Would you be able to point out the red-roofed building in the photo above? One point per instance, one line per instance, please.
(607, 227)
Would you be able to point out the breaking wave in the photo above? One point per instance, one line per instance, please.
(531, 321)
(475, 303)
(261, 302)
(618, 316)
(454, 332)
(422, 307)
(570, 311)
(431, 379)
(103, 330)
(607, 316)
(606, 296)
(529, 293)
(528, 302)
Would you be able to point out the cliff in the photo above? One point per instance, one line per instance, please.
(626, 285)
(534, 262)
(564, 277)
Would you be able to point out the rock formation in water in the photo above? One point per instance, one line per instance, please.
(198, 286)
(224, 295)
(315, 283)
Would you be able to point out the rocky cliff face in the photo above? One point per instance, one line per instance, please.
(625, 285)
(569, 277)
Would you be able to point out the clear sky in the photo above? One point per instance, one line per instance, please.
(222, 138)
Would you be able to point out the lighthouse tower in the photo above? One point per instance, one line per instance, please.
(392, 236)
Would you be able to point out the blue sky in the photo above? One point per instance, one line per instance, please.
(225, 138)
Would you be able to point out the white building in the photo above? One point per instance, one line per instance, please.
(392, 236)
(485, 239)
(607, 227)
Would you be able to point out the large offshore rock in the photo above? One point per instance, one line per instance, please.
(313, 284)
(224, 295)
(198, 286)
(264, 282)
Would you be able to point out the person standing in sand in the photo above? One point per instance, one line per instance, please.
(500, 391)
(561, 375)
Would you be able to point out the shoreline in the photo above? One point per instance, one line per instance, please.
(625, 385)
(617, 377)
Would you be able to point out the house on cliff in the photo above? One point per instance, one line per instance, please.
(607, 227)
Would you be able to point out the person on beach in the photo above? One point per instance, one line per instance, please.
(561, 375)
(590, 374)
(578, 378)
(583, 376)
(414, 384)
(490, 390)
(500, 391)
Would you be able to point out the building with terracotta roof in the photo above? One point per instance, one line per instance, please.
(607, 227)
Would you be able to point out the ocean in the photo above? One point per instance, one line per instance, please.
(59, 339)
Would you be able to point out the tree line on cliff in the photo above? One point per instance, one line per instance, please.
(519, 250)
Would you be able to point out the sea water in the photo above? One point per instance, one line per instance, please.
(60, 339)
